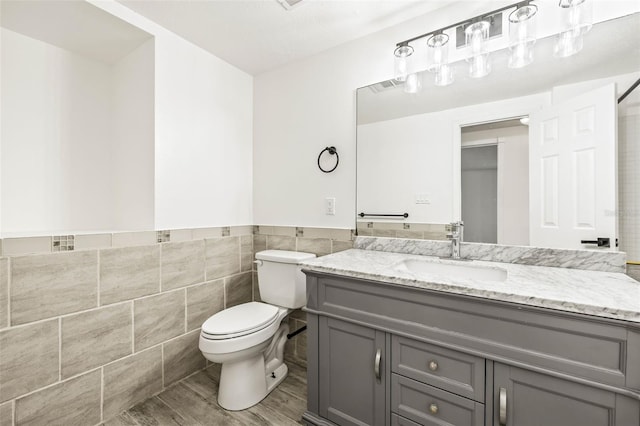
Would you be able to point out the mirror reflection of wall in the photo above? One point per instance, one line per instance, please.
(495, 182)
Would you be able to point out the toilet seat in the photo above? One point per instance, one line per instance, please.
(239, 320)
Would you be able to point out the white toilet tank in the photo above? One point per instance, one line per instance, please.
(280, 277)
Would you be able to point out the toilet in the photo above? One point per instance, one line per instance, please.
(248, 339)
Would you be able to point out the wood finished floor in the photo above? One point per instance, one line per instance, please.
(194, 401)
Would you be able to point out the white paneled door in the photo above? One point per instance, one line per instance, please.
(572, 171)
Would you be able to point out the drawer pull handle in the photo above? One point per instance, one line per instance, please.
(433, 365)
(503, 407)
(376, 364)
(433, 408)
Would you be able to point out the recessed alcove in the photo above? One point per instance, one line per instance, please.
(77, 120)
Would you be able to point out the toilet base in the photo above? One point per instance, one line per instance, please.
(276, 377)
(246, 382)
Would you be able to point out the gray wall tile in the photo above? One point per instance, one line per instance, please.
(317, 246)
(25, 245)
(246, 253)
(182, 357)
(48, 285)
(130, 272)
(4, 293)
(259, 243)
(277, 242)
(238, 289)
(256, 288)
(203, 301)
(94, 338)
(131, 380)
(158, 318)
(223, 257)
(182, 264)
(337, 246)
(633, 271)
(6, 414)
(29, 358)
(74, 402)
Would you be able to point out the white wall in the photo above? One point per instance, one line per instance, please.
(132, 142)
(56, 116)
(305, 106)
(399, 159)
(203, 132)
(161, 139)
(420, 154)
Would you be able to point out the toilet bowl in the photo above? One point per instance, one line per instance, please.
(249, 339)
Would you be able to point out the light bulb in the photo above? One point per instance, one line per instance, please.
(568, 43)
(444, 76)
(413, 83)
(479, 66)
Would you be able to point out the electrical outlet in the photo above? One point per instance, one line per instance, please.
(330, 206)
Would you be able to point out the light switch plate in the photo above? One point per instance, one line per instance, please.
(423, 199)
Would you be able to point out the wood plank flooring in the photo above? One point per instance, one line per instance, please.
(194, 402)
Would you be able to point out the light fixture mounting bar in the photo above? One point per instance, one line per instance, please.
(466, 21)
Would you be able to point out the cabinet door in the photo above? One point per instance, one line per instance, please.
(352, 373)
(534, 399)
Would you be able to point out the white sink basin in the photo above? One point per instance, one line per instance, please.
(461, 270)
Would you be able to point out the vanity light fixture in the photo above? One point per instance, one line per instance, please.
(522, 35)
(401, 55)
(438, 59)
(476, 36)
(577, 21)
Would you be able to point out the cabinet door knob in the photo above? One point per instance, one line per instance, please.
(503, 407)
(433, 365)
(376, 364)
(433, 408)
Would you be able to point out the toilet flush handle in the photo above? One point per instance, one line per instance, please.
(258, 262)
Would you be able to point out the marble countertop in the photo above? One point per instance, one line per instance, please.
(604, 294)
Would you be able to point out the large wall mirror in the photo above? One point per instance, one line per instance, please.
(523, 156)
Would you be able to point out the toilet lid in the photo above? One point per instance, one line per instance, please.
(240, 319)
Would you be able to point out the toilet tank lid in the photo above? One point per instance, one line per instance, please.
(284, 256)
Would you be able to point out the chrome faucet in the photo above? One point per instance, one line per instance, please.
(457, 231)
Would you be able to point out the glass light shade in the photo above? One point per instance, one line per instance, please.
(444, 75)
(522, 26)
(568, 43)
(479, 66)
(400, 62)
(437, 51)
(522, 36)
(520, 55)
(476, 35)
(577, 14)
(413, 83)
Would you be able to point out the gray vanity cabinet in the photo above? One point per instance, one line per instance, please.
(527, 398)
(455, 360)
(352, 384)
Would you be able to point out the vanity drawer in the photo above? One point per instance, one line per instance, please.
(446, 369)
(431, 406)
(396, 420)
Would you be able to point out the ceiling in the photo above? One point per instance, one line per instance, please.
(87, 30)
(260, 35)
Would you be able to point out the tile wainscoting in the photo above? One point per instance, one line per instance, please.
(88, 332)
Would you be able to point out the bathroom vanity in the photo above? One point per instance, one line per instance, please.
(394, 342)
